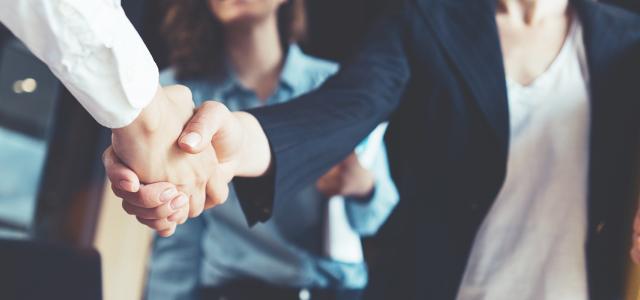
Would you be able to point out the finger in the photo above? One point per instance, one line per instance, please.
(127, 196)
(153, 195)
(196, 204)
(159, 212)
(180, 216)
(168, 232)
(157, 224)
(184, 219)
(204, 124)
(122, 177)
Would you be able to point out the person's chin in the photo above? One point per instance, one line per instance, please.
(243, 20)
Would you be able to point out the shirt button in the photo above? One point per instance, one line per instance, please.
(600, 227)
(304, 294)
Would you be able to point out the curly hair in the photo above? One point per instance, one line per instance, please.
(194, 35)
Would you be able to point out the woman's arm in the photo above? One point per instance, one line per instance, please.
(274, 151)
(309, 135)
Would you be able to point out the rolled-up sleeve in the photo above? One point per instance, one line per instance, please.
(93, 48)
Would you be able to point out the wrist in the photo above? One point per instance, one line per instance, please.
(255, 158)
(149, 138)
(149, 119)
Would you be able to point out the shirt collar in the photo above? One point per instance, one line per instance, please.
(292, 69)
(227, 81)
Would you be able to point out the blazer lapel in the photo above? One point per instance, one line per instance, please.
(599, 40)
(608, 42)
(610, 39)
(468, 32)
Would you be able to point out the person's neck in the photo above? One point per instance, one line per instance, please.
(532, 12)
(256, 56)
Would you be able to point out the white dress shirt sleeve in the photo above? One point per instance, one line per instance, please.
(93, 48)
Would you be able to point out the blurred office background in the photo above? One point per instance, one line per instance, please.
(52, 184)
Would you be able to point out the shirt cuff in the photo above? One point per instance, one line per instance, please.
(106, 66)
(256, 196)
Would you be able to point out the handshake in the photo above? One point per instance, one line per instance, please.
(173, 161)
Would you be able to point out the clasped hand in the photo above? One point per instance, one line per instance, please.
(162, 182)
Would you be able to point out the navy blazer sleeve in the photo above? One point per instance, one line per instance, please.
(310, 134)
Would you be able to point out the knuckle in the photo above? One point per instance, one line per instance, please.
(184, 90)
(147, 199)
(157, 224)
(209, 105)
(161, 224)
(127, 208)
(196, 210)
(116, 191)
(214, 110)
(198, 124)
(160, 211)
(215, 106)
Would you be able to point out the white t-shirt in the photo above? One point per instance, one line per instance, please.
(531, 245)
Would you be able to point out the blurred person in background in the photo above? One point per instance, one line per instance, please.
(244, 53)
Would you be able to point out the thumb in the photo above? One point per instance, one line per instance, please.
(213, 124)
(208, 119)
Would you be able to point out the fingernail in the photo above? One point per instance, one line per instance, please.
(168, 194)
(127, 186)
(192, 139)
(179, 202)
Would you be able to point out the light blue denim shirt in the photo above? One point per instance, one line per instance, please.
(218, 247)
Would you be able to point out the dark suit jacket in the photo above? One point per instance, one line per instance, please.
(434, 68)
(633, 5)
